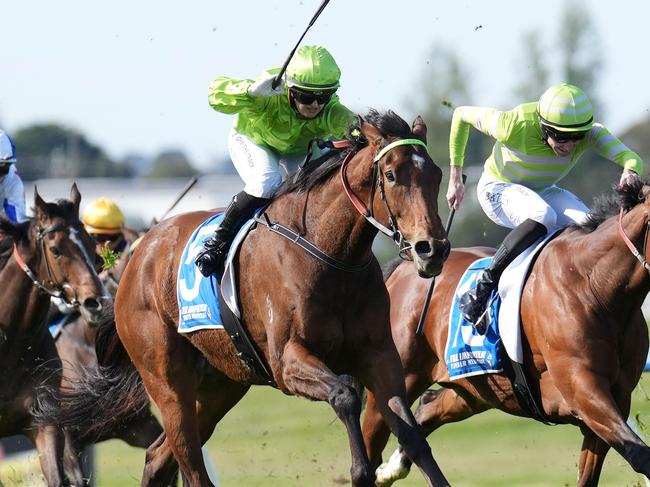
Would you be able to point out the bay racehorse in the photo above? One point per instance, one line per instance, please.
(51, 257)
(585, 339)
(321, 324)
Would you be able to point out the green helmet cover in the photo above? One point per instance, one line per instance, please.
(566, 108)
(313, 68)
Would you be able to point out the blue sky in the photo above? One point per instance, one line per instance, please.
(133, 75)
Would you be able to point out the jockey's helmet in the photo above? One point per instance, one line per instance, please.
(102, 217)
(565, 108)
(312, 68)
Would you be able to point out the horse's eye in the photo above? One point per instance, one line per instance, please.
(55, 252)
(390, 176)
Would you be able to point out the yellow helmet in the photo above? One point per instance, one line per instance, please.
(103, 216)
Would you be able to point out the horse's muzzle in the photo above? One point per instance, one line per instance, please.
(97, 310)
(430, 255)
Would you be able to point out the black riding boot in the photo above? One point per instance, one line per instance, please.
(473, 303)
(215, 248)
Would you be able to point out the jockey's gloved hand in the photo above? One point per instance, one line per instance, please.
(628, 178)
(264, 87)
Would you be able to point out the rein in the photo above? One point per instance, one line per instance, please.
(368, 211)
(50, 286)
(635, 252)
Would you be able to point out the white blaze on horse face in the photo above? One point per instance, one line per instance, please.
(418, 161)
(73, 234)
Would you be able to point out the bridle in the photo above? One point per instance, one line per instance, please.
(378, 182)
(635, 252)
(50, 285)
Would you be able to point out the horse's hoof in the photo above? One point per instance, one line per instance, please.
(393, 470)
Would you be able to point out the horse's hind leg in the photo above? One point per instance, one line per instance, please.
(592, 457)
(436, 408)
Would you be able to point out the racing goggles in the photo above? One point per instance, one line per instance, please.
(563, 137)
(308, 97)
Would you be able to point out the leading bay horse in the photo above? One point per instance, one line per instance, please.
(320, 324)
(585, 342)
(51, 257)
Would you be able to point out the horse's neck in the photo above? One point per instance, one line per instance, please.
(22, 306)
(326, 216)
(615, 274)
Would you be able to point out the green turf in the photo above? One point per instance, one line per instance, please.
(270, 439)
(273, 440)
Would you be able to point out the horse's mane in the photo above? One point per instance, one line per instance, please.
(389, 123)
(608, 205)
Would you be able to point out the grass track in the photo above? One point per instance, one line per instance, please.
(273, 440)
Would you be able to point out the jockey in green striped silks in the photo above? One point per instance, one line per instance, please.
(536, 145)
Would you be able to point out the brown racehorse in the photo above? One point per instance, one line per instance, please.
(585, 343)
(317, 326)
(52, 256)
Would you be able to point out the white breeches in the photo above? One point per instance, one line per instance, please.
(509, 204)
(262, 169)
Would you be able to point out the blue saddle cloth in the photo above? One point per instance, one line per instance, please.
(198, 305)
(469, 353)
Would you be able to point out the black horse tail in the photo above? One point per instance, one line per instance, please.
(103, 400)
(389, 267)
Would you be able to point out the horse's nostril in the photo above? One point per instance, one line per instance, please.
(422, 248)
(92, 304)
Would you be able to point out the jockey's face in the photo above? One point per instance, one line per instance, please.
(561, 148)
(309, 111)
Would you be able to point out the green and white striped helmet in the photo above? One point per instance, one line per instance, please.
(313, 68)
(565, 108)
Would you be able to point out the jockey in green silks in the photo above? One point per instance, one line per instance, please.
(537, 144)
(271, 133)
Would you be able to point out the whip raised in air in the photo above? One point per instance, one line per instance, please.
(276, 81)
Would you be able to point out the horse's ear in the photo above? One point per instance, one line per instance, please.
(39, 204)
(75, 196)
(370, 132)
(420, 129)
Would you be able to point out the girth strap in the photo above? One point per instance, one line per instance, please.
(517, 375)
(245, 349)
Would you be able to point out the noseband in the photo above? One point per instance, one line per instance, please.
(50, 286)
(378, 182)
(635, 252)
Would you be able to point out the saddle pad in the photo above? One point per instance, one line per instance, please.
(467, 352)
(511, 286)
(198, 306)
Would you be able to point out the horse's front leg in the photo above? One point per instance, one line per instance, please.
(306, 375)
(383, 375)
(592, 401)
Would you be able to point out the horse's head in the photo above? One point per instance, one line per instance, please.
(57, 253)
(408, 181)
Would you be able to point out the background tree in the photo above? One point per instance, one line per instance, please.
(52, 150)
(171, 164)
